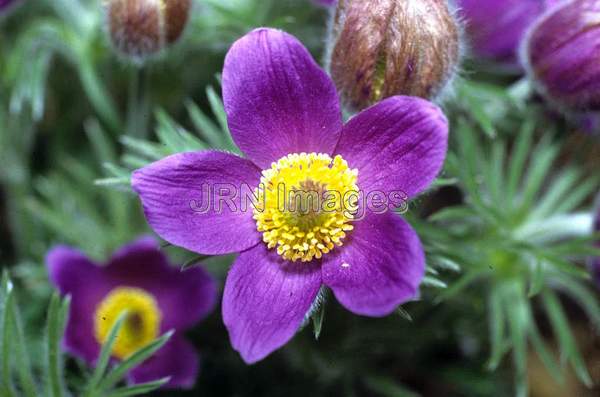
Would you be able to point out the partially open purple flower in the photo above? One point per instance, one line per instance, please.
(284, 114)
(158, 297)
(561, 54)
(496, 27)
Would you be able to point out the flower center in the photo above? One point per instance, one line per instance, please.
(305, 204)
(141, 326)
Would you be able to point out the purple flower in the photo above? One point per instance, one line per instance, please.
(284, 114)
(588, 122)
(5, 4)
(561, 54)
(496, 27)
(158, 297)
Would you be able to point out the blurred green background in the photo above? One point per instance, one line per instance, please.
(75, 118)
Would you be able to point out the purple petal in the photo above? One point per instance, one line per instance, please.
(278, 101)
(378, 268)
(172, 189)
(72, 273)
(177, 359)
(496, 27)
(398, 144)
(265, 301)
(184, 298)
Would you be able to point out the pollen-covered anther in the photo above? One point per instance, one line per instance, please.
(306, 203)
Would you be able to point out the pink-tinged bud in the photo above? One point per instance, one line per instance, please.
(495, 27)
(381, 48)
(139, 28)
(562, 55)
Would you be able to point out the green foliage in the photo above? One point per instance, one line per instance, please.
(172, 138)
(72, 31)
(72, 208)
(517, 236)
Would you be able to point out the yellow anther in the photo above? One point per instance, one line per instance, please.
(292, 195)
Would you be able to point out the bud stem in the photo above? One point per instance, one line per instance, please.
(98, 95)
(138, 109)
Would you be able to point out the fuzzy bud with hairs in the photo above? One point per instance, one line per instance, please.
(139, 28)
(381, 48)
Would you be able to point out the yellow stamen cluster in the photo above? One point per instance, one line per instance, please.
(305, 204)
(141, 326)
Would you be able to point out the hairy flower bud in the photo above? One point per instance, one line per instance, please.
(496, 27)
(139, 28)
(381, 48)
(561, 54)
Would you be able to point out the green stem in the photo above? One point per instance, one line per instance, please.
(138, 109)
(53, 351)
(18, 218)
(17, 186)
(5, 367)
(22, 358)
(98, 95)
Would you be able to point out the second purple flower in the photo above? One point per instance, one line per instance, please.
(157, 297)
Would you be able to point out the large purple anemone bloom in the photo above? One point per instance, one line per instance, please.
(284, 114)
(157, 296)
